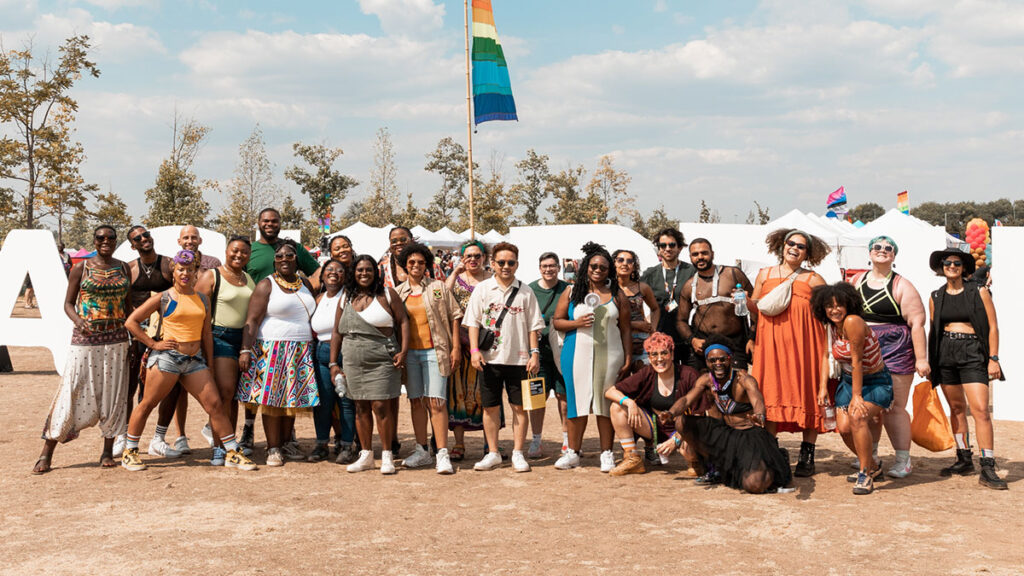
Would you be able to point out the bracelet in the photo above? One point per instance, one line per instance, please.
(245, 351)
(474, 350)
(677, 439)
(534, 351)
(332, 364)
(623, 399)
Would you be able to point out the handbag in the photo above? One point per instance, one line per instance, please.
(930, 428)
(486, 338)
(777, 300)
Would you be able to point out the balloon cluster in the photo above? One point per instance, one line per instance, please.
(980, 241)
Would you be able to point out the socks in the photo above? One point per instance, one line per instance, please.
(963, 442)
(903, 455)
(161, 431)
(229, 442)
(131, 442)
(536, 438)
(628, 444)
(565, 438)
(988, 453)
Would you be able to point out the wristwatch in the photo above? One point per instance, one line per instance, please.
(994, 357)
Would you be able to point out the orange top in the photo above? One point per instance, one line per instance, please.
(419, 328)
(787, 360)
(183, 319)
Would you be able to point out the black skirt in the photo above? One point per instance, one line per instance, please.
(736, 452)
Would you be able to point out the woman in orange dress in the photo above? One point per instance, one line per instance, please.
(790, 347)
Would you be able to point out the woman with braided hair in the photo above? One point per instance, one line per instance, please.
(595, 318)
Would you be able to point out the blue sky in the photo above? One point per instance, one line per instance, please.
(729, 102)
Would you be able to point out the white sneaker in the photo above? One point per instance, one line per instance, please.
(568, 460)
(275, 458)
(365, 462)
(444, 463)
(535, 449)
(181, 445)
(607, 461)
(901, 469)
(418, 458)
(491, 461)
(119, 443)
(387, 462)
(519, 463)
(207, 433)
(159, 447)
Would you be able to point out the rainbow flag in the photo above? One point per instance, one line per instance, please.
(492, 89)
(903, 202)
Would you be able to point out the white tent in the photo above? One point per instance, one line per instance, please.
(448, 238)
(493, 237)
(422, 234)
(366, 239)
(567, 241)
(165, 241)
(916, 240)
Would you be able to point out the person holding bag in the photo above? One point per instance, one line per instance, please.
(548, 288)
(790, 344)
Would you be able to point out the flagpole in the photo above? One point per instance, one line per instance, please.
(469, 126)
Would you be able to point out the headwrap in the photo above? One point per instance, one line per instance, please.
(797, 232)
(473, 242)
(709, 349)
(895, 248)
(185, 258)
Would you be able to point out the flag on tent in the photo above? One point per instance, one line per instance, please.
(492, 89)
(836, 203)
(325, 224)
(903, 202)
(998, 222)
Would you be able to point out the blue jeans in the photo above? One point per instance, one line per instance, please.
(322, 414)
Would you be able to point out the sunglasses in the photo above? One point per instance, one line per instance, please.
(410, 263)
(399, 240)
(599, 267)
(505, 263)
(140, 236)
(284, 256)
(953, 263)
(472, 257)
(882, 248)
(105, 237)
(797, 245)
(718, 360)
(664, 245)
(621, 260)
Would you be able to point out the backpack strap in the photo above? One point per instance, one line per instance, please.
(216, 292)
(165, 300)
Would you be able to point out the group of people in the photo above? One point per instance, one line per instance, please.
(689, 357)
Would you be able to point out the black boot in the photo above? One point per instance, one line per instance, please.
(805, 466)
(963, 466)
(988, 475)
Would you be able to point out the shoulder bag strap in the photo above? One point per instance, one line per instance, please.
(216, 293)
(165, 300)
(508, 303)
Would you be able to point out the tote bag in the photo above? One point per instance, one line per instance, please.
(930, 427)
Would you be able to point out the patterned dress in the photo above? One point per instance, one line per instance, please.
(465, 407)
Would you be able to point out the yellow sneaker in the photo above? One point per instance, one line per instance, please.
(236, 459)
(131, 461)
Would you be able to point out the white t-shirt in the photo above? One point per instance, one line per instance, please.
(512, 340)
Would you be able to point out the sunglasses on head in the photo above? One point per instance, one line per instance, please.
(882, 248)
(284, 256)
(140, 236)
(624, 260)
(664, 245)
(103, 237)
(952, 263)
(505, 263)
(798, 245)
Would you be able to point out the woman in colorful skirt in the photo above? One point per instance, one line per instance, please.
(894, 311)
(465, 408)
(179, 353)
(278, 375)
(790, 345)
(94, 388)
(594, 316)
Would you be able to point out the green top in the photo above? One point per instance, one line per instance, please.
(547, 301)
(261, 263)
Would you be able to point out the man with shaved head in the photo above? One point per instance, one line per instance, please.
(189, 239)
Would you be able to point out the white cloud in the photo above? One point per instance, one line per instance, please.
(414, 18)
(115, 42)
(118, 4)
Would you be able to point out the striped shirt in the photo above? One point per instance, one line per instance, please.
(872, 360)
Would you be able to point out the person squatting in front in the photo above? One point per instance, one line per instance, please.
(732, 438)
(183, 342)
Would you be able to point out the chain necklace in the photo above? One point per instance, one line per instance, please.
(148, 268)
(293, 286)
(233, 277)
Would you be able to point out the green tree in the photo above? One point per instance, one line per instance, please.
(410, 215)
(866, 212)
(111, 209)
(657, 221)
(763, 217)
(380, 205)
(176, 197)
(492, 206)
(293, 217)
(571, 206)
(62, 189)
(448, 161)
(531, 189)
(705, 213)
(611, 186)
(32, 92)
(78, 234)
(251, 190)
(323, 185)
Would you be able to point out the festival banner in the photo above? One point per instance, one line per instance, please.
(492, 89)
(903, 202)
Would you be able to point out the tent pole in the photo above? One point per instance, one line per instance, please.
(469, 126)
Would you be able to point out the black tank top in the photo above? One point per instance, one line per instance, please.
(881, 305)
(955, 308)
(150, 279)
(659, 402)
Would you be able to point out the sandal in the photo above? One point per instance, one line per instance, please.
(107, 460)
(457, 453)
(38, 470)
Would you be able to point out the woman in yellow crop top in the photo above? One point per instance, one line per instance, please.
(185, 341)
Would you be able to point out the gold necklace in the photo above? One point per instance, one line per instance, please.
(293, 286)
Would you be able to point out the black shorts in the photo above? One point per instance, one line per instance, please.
(498, 377)
(962, 360)
(738, 345)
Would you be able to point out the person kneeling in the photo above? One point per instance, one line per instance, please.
(733, 439)
(639, 399)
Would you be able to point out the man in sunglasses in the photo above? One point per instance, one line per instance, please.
(706, 307)
(261, 262)
(666, 281)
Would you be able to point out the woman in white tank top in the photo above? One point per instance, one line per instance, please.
(278, 375)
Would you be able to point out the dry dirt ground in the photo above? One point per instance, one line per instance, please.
(184, 517)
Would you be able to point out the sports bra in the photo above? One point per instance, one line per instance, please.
(183, 318)
(232, 301)
(376, 315)
(880, 306)
(723, 397)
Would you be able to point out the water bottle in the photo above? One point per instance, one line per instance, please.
(739, 298)
(830, 418)
(340, 385)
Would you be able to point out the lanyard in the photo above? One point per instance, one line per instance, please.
(675, 280)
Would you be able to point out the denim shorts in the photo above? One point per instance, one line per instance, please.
(227, 342)
(174, 362)
(876, 389)
(424, 375)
